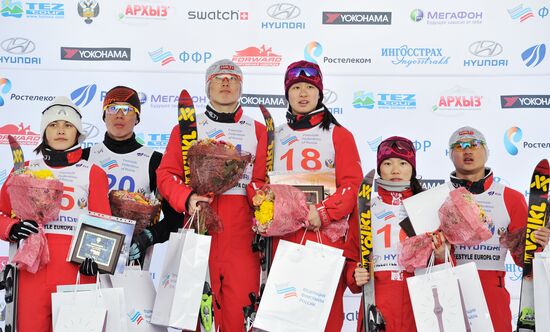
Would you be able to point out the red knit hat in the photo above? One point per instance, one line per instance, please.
(304, 71)
(122, 94)
(396, 147)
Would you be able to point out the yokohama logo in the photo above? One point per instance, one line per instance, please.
(95, 54)
(525, 101)
(377, 18)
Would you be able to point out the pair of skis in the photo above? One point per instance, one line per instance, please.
(536, 219)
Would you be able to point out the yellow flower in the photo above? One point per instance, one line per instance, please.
(265, 213)
(43, 174)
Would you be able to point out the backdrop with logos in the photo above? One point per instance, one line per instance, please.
(416, 69)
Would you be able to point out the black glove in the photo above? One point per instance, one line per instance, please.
(88, 267)
(23, 230)
(140, 244)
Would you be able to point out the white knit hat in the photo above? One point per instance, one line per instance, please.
(465, 133)
(224, 66)
(62, 108)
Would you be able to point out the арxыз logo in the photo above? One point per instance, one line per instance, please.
(143, 10)
(18, 45)
(5, 87)
(254, 56)
(88, 9)
(362, 18)
(513, 134)
(83, 95)
(534, 55)
(525, 101)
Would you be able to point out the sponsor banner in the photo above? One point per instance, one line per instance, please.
(357, 18)
(269, 101)
(96, 54)
(217, 15)
(525, 101)
(21, 132)
(262, 56)
(283, 17)
(408, 56)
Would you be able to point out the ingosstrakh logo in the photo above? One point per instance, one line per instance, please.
(511, 136)
(312, 51)
(534, 55)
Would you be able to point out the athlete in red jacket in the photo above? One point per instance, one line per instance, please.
(234, 268)
(311, 141)
(508, 211)
(85, 189)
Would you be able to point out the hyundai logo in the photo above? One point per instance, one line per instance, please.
(329, 96)
(485, 48)
(283, 11)
(18, 45)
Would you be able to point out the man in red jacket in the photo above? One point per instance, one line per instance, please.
(234, 268)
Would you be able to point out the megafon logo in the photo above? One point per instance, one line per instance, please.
(135, 316)
(513, 134)
(21, 133)
(417, 15)
(83, 95)
(5, 87)
(11, 9)
(534, 55)
(312, 50)
(254, 56)
(521, 13)
(161, 56)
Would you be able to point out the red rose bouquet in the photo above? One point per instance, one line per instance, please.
(134, 206)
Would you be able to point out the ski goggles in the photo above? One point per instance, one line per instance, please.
(303, 71)
(220, 78)
(397, 145)
(463, 145)
(114, 108)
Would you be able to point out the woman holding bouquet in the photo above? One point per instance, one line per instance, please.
(84, 189)
(234, 267)
(320, 144)
(121, 113)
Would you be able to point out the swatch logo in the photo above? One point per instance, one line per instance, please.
(521, 13)
(514, 134)
(135, 316)
(163, 57)
(109, 164)
(5, 87)
(286, 291)
(534, 55)
(83, 95)
(312, 50)
(289, 140)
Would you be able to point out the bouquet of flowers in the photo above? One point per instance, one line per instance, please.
(279, 210)
(216, 166)
(514, 241)
(463, 221)
(34, 195)
(135, 206)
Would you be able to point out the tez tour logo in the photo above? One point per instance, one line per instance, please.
(514, 134)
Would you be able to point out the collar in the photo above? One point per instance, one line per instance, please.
(306, 121)
(68, 157)
(476, 187)
(122, 147)
(394, 197)
(233, 117)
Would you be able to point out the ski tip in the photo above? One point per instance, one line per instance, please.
(185, 99)
(371, 173)
(542, 166)
(11, 139)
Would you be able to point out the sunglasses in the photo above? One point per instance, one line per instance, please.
(114, 108)
(398, 145)
(472, 145)
(302, 71)
(231, 79)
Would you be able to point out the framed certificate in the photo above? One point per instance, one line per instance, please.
(102, 245)
(314, 194)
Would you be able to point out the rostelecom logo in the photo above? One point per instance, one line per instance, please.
(511, 136)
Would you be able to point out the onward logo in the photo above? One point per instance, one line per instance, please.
(534, 55)
(5, 87)
(3, 176)
(525, 101)
(376, 18)
(254, 56)
(11, 9)
(521, 13)
(217, 15)
(83, 95)
(144, 11)
(363, 99)
(513, 134)
(407, 56)
(45, 10)
(289, 140)
(215, 133)
(135, 316)
(21, 133)
(88, 9)
(164, 57)
(283, 14)
(286, 291)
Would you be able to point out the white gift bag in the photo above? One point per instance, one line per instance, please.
(72, 318)
(111, 299)
(300, 288)
(139, 293)
(541, 284)
(182, 280)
